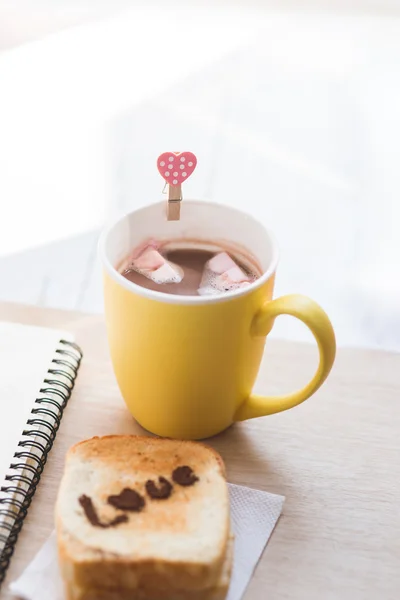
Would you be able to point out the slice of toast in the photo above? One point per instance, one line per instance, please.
(112, 539)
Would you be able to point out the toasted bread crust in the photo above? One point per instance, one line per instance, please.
(96, 444)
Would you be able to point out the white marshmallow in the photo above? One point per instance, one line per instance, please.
(234, 275)
(149, 260)
(151, 264)
(220, 263)
(167, 273)
(221, 274)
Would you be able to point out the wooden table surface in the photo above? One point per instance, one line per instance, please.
(336, 459)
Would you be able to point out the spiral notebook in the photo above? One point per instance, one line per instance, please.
(38, 368)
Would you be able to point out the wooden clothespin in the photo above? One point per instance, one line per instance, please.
(175, 168)
(174, 202)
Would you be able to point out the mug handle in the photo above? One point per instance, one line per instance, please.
(318, 322)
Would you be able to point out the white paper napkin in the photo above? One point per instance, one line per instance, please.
(253, 513)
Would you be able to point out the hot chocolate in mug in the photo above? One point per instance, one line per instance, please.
(186, 365)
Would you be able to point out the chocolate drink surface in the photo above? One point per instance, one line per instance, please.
(188, 271)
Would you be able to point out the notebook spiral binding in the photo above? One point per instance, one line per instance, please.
(25, 472)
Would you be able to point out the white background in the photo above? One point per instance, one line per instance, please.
(294, 116)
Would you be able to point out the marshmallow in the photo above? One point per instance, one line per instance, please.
(221, 274)
(220, 263)
(234, 275)
(168, 273)
(147, 261)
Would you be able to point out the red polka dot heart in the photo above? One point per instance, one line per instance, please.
(176, 167)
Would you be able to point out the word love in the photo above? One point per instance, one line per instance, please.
(131, 501)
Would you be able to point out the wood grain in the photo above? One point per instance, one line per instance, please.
(335, 458)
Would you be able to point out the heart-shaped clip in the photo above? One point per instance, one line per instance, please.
(175, 168)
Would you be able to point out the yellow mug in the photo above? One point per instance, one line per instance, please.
(186, 365)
